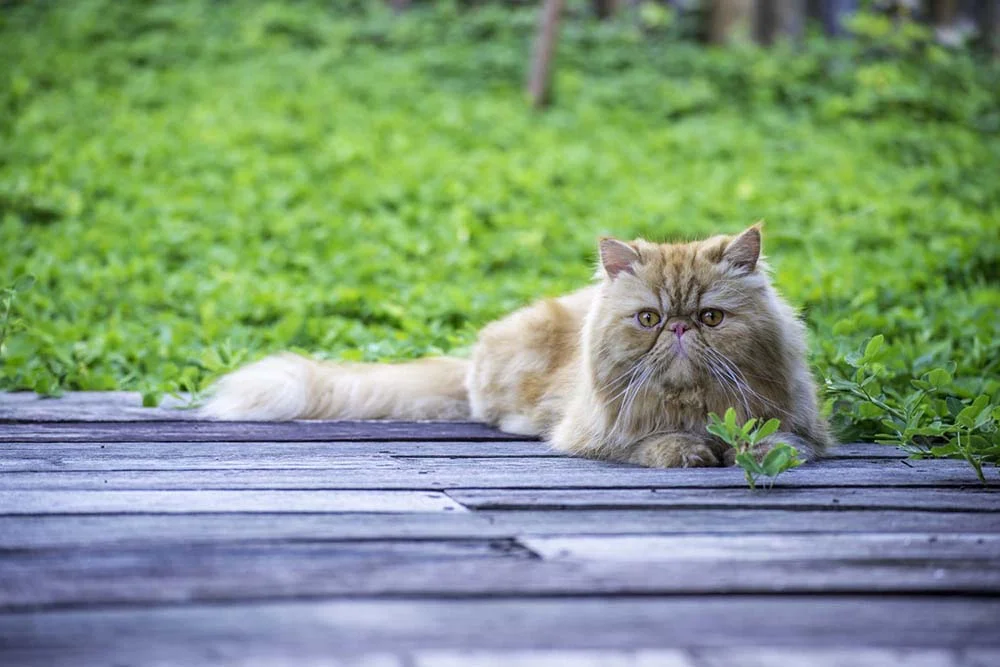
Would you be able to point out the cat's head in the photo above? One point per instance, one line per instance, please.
(684, 316)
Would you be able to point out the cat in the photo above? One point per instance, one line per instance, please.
(627, 369)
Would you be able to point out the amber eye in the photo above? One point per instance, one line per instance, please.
(648, 318)
(711, 317)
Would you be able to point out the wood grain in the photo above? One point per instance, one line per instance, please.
(310, 632)
(167, 502)
(202, 431)
(442, 568)
(380, 472)
(971, 499)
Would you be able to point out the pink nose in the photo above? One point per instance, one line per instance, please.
(679, 328)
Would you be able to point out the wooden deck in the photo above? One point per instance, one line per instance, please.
(144, 537)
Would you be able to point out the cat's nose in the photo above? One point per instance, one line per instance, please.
(679, 328)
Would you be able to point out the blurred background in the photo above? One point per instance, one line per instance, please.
(186, 185)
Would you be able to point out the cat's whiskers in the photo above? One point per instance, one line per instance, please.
(631, 393)
(740, 380)
(724, 382)
(727, 379)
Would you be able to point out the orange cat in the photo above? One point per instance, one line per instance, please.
(625, 370)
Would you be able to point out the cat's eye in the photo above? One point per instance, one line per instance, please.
(648, 318)
(711, 317)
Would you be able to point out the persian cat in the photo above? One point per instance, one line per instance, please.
(627, 369)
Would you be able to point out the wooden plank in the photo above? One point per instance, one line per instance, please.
(172, 502)
(485, 472)
(311, 632)
(432, 569)
(743, 656)
(135, 530)
(667, 520)
(867, 499)
(854, 657)
(97, 406)
(63, 531)
(80, 456)
(201, 431)
(820, 546)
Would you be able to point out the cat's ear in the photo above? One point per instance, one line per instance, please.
(617, 257)
(744, 250)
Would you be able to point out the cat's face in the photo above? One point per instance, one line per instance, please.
(678, 316)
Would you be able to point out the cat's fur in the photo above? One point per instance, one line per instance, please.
(583, 371)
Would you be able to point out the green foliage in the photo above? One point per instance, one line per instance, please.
(9, 324)
(746, 438)
(930, 417)
(189, 178)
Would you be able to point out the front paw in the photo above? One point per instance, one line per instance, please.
(675, 451)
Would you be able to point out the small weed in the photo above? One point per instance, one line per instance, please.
(746, 438)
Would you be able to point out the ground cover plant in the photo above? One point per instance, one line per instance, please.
(193, 184)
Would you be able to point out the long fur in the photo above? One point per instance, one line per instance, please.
(581, 370)
(289, 386)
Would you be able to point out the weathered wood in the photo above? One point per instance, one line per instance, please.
(115, 406)
(310, 632)
(540, 78)
(256, 571)
(939, 500)
(820, 546)
(300, 431)
(855, 657)
(744, 656)
(511, 472)
(51, 456)
(136, 530)
(267, 501)
(731, 521)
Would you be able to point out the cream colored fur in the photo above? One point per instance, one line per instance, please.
(583, 371)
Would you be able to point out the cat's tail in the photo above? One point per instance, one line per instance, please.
(289, 386)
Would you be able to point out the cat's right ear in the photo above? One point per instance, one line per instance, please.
(617, 257)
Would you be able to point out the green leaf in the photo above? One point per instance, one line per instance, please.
(938, 378)
(873, 348)
(768, 428)
(749, 462)
(954, 406)
(775, 461)
(151, 399)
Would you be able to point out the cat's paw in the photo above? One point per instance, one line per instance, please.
(699, 456)
(676, 451)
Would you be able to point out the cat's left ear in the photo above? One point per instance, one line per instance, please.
(744, 250)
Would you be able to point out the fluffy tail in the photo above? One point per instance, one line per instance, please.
(288, 386)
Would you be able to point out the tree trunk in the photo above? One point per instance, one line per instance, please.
(604, 9)
(835, 13)
(729, 17)
(988, 18)
(540, 81)
(780, 18)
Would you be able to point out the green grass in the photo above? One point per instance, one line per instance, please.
(195, 184)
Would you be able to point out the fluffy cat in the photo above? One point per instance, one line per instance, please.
(625, 370)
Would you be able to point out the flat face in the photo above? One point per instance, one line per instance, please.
(697, 324)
